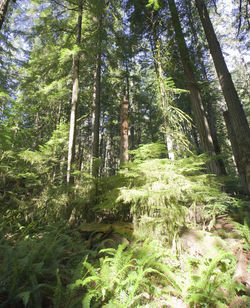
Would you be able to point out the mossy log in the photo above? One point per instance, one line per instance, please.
(123, 228)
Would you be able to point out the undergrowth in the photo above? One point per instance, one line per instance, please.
(162, 194)
(45, 260)
(36, 265)
(145, 275)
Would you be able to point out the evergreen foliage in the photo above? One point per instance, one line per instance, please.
(157, 231)
(160, 192)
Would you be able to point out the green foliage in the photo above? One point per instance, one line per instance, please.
(149, 151)
(40, 256)
(124, 277)
(159, 192)
(213, 285)
(29, 178)
(244, 231)
(36, 264)
(153, 3)
(50, 153)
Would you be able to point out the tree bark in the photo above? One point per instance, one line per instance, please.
(3, 10)
(235, 148)
(97, 104)
(235, 109)
(75, 98)
(124, 156)
(209, 101)
(213, 129)
(195, 97)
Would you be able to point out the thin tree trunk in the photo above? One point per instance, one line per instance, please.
(235, 109)
(96, 115)
(163, 96)
(102, 144)
(132, 109)
(96, 102)
(107, 154)
(195, 97)
(3, 10)
(59, 114)
(80, 153)
(75, 98)
(124, 156)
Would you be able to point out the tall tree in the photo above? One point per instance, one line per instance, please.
(124, 129)
(199, 51)
(235, 108)
(156, 51)
(97, 91)
(195, 96)
(235, 148)
(75, 96)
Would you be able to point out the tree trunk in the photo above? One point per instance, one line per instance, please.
(3, 10)
(80, 153)
(235, 109)
(102, 146)
(96, 111)
(195, 97)
(163, 96)
(107, 155)
(236, 150)
(213, 129)
(75, 97)
(198, 52)
(132, 109)
(124, 157)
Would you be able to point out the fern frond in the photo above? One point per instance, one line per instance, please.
(87, 299)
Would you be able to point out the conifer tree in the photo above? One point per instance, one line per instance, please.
(195, 96)
(235, 108)
(198, 52)
(96, 99)
(75, 96)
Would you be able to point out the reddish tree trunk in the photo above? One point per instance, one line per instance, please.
(124, 156)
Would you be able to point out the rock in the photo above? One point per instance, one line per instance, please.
(241, 274)
(201, 243)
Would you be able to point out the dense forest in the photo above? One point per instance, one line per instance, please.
(124, 153)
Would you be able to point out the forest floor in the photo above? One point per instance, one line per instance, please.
(194, 243)
(112, 259)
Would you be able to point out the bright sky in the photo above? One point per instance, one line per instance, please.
(230, 45)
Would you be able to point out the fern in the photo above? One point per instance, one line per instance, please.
(125, 276)
(244, 231)
(214, 284)
(31, 261)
